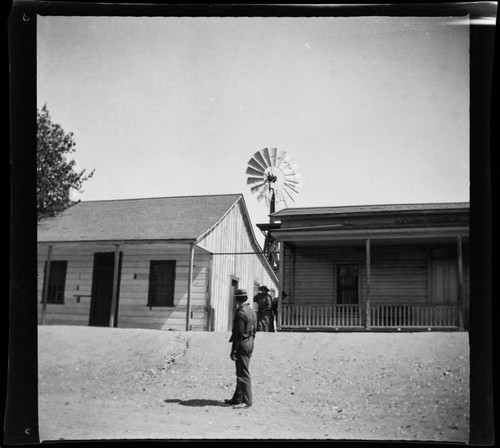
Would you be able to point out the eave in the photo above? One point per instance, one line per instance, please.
(306, 234)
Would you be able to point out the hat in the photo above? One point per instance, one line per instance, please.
(241, 294)
(264, 288)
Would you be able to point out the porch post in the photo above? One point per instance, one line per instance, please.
(291, 293)
(368, 279)
(115, 286)
(460, 284)
(46, 284)
(280, 295)
(190, 281)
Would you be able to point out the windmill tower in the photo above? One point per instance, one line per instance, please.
(273, 178)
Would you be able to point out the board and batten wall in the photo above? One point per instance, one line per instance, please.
(400, 274)
(133, 311)
(233, 237)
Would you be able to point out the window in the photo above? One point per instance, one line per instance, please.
(347, 284)
(57, 281)
(161, 283)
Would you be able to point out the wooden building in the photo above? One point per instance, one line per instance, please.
(373, 267)
(161, 263)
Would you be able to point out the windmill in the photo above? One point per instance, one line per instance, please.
(273, 178)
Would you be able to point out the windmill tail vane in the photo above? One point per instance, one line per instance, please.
(273, 177)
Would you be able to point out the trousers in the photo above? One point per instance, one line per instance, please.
(264, 320)
(243, 391)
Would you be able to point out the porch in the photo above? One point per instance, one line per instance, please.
(376, 316)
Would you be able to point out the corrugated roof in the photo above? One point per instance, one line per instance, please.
(171, 218)
(370, 209)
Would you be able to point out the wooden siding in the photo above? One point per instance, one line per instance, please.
(232, 237)
(314, 277)
(399, 274)
(133, 311)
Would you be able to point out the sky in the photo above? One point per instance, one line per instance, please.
(372, 110)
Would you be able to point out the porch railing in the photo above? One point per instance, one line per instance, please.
(381, 316)
(321, 316)
(424, 315)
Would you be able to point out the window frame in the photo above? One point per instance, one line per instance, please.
(52, 289)
(336, 280)
(169, 299)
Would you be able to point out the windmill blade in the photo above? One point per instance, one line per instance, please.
(292, 181)
(289, 174)
(281, 197)
(261, 196)
(256, 188)
(279, 158)
(256, 165)
(287, 185)
(273, 152)
(289, 195)
(267, 157)
(261, 193)
(287, 158)
(254, 180)
(290, 168)
(277, 195)
(258, 156)
(254, 172)
(297, 186)
(261, 189)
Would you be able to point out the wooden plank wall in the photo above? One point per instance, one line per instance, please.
(399, 274)
(288, 274)
(314, 272)
(133, 311)
(230, 236)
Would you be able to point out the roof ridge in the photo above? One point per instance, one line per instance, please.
(401, 204)
(163, 197)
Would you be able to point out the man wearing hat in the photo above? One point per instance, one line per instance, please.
(242, 338)
(264, 309)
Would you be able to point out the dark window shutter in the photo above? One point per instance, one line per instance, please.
(57, 281)
(161, 283)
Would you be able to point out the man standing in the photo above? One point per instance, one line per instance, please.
(264, 309)
(242, 339)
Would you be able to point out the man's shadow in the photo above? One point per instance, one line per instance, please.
(196, 402)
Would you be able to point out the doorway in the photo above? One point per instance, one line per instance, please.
(102, 289)
(232, 301)
(444, 281)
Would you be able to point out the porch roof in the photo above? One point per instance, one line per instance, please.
(324, 237)
(383, 223)
(372, 209)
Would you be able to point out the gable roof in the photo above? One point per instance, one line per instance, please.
(167, 218)
(370, 209)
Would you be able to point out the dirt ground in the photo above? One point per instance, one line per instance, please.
(102, 383)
